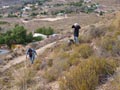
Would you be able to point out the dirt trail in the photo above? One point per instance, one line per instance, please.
(23, 58)
(46, 19)
(39, 51)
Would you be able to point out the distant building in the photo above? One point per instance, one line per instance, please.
(26, 8)
(87, 1)
(4, 7)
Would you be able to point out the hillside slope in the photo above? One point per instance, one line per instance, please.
(76, 67)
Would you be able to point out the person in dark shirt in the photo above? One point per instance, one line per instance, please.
(31, 54)
(76, 27)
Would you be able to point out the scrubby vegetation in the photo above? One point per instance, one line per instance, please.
(86, 76)
(75, 67)
(45, 31)
(3, 22)
(18, 35)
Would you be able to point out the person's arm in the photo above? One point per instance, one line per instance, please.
(73, 26)
(79, 27)
(35, 52)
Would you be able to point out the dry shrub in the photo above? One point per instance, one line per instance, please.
(50, 62)
(56, 70)
(116, 82)
(86, 75)
(115, 25)
(51, 75)
(110, 44)
(23, 78)
(93, 32)
(5, 80)
(84, 51)
(36, 65)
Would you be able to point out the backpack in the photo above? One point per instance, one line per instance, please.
(30, 52)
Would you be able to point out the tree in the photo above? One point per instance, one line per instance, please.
(19, 34)
(2, 41)
(29, 37)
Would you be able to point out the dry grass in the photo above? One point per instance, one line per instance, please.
(23, 78)
(92, 32)
(115, 25)
(86, 75)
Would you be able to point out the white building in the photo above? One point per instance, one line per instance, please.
(87, 1)
(38, 34)
(5, 7)
(26, 8)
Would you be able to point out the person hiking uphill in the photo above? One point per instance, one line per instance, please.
(31, 54)
(76, 27)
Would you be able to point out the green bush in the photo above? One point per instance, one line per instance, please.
(29, 37)
(45, 31)
(11, 15)
(34, 14)
(44, 13)
(79, 4)
(37, 38)
(86, 76)
(2, 41)
(18, 35)
(1, 16)
(3, 22)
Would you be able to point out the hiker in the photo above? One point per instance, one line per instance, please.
(31, 53)
(76, 27)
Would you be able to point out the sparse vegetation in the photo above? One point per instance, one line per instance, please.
(12, 15)
(18, 35)
(45, 31)
(80, 3)
(85, 51)
(37, 64)
(86, 75)
(93, 32)
(82, 66)
(38, 38)
(23, 78)
(3, 22)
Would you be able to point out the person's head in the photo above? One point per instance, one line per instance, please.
(76, 24)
